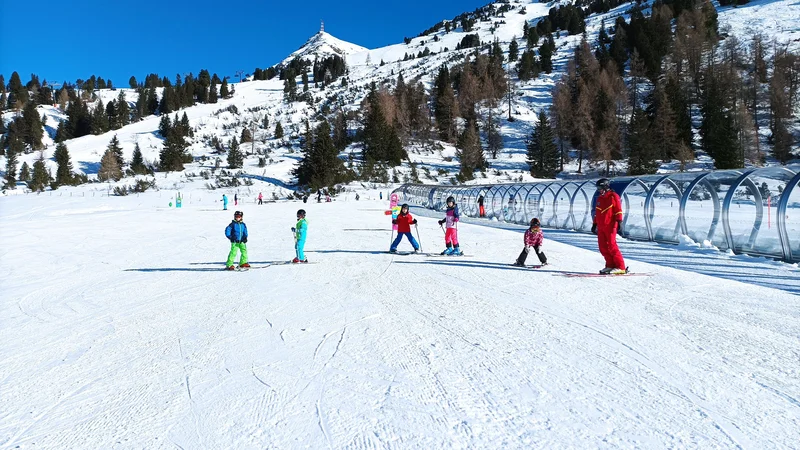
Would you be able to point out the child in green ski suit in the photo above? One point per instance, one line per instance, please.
(300, 230)
(236, 232)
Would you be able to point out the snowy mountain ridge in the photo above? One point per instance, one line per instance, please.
(323, 45)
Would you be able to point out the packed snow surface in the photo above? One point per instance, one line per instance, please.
(119, 329)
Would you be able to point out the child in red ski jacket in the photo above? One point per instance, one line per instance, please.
(404, 221)
(534, 238)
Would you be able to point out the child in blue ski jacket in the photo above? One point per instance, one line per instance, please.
(300, 231)
(236, 232)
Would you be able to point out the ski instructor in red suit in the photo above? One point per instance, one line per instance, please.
(607, 220)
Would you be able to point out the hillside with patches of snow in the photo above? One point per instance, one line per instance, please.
(254, 100)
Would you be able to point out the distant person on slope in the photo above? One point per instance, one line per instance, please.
(236, 232)
(260, 198)
(534, 238)
(300, 230)
(607, 221)
(404, 221)
(224, 202)
(451, 218)
(481, 209)
(235, 199)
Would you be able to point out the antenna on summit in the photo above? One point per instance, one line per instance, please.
(321, 26)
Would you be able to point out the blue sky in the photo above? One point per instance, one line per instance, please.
(66, 40)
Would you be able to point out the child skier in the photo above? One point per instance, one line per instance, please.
(451, 233)
(404, 221)
(533, 239)
(300, 230)
(236, 232)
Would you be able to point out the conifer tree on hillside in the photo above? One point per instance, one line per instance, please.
(223, 89)
(152, 101)
(99, 118)
(235, 155)
(40, 178)
(116, 149)
(527, 68)
(469, 152)
(137, 161)
(64, 171)
(11, 166)
(278, 131)
(123, 110)
(340, 137)
(445, 106)
(543, 155)
(173, 155)
(641, 151)
(132, 82)
(109, 167)
(212, 93)
(381, 141)
(25, 173)
(33, 128)
(513, 50)
(246, 135)
(111, 115)
(717, 132)
(17, 93)
(320, 166)
(164, 126)
(494, 141)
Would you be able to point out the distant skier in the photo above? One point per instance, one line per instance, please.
(380, 195)
(357, 196)
(534, 238)
(260, 198)
(235, 199)
(481, 209)
(607, 221)
(319, 195)
(451, 229)
(224, 202)
(236, 232)
(404, 221)
(300, 230)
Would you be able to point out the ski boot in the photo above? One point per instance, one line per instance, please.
(606, 270)
(230, 268)
(295, 260)
(456, 251)
(305, 261)
(244, 266)
(619, 271)
(448, 250)
(392, 250)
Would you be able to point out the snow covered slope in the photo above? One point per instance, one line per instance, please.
(323, 45)
(120, 330)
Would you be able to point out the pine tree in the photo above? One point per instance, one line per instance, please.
(717, 132)
(212, 93)
(137, 161)
(173, 154)
(320, 165)
(33, 127)
(25, 173)
(111, 114)
(494, 141)
(278, 131)
(64, 171)
(246, 135)
(223, 89)
(235, 155)
(469, 152)
(99, 118)
(132, 82)
(445, 106)
(543, 155)
(546, 55)
(17, 92)
(513, 50)
(40, 178)
(11, 167)
(109, 167)
(527, 68)
(123, 110)
(116, 149)
(381, 141)
(164, 126)
(641, 151)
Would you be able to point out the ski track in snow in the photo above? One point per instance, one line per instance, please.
(138, 340)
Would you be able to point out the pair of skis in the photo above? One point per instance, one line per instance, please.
(264, 266)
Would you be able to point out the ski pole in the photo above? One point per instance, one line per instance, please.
(419, 241)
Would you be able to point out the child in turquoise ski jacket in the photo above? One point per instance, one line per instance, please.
(300, 230)
(236, 232)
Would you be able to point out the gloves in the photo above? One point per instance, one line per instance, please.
(293, 230)
(441, 222)
(414, 221)
(233, 241)
(619, 228)
(244, 240)
(594, 228)
(394, 221)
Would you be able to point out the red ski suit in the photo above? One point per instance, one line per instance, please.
(608, 218)
(404, 223)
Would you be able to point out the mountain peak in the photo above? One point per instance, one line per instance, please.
(323, 45)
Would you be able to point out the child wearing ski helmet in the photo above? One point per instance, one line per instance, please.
(236, 232)
(607, 221)
(404, 221)
(300, 230)
(534, 238)
(451, 218)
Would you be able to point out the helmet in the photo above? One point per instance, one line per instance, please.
(301, 212)
(404, 206)
(238, 214)
(535, 222)
(450, 199)
(603, 183)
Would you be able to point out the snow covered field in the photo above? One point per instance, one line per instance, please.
(120, 330)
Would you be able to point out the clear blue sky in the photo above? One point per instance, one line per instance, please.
(66, 40)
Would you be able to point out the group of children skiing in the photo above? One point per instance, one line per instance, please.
(236, 232)
(606, 223)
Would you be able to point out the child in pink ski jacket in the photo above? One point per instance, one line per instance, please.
(534, 238)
